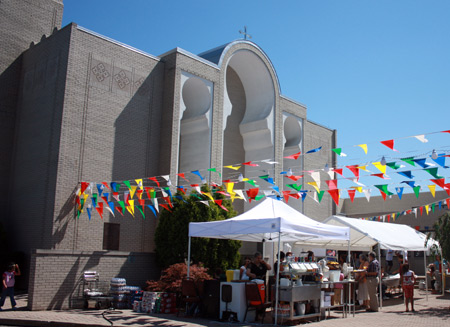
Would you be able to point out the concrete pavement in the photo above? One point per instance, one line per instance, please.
(434, 313)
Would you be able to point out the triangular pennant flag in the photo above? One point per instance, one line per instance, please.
(354, 169)
(303, 195)
(154, 180)
(219, 203)
(208, 195)
(427, 208)
(421, 162)
(252, 182)
(295, 187)
(364, 147)
(139, 193)
(181, 189)
(249, 163)
(393, 165)
(367, 193)
(116, 196)
(409, 160)
(440, 160)
(432, 190)
(84, 186)
(293, 156)
(183, 176)
(252, 193)
(416, 190)
(128, 184)
(383, 194)
(315, 150)
(150, 192)
(384, 188)
(205, 202)
(196, 172)
(286, 196)
(165, 206)
(94, 200)
(399, 191)
(121, 210)
(106, 185)
(99, 209)
(88, 209)
(152, 209)
(214, 170)
(141, 210)
(100, 188)
(339, 152)
(433, 205)
(314, 184)
(132, 191)
(421, 210)
(380, 167)
(407, 174)
(448, 203)
(358, 188)
(320, 195)
(105, 197)
(294, 178)
(332, 184)
(410, 183)
(334, 195)
(351, 194)
(364, 168)
(232, 167)
(339, 171)
(122, 205)
(111, 207)
(433, 172)
(421, 138)
(115, 186)
(241, 194)
(131, 207)
(389, 144)
(380, 176)
(316, 176)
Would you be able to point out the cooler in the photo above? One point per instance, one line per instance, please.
(262, 291)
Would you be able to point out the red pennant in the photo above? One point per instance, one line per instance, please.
(183, 177)
(106, 185)
(120, 209)
(294, 178)
(99, 209)
(78, 200)
(154, 179)
(332, 184)
(381, 175)
(379, 218)
(439, 182)
(446, 131)
(351, 194)
(383, 195)
(116, 196)
(389, 218)
(105, 199)
(252, 193)
(147, 190)
(448, 203)
(249, 163)
(294, 156)
(338, 170)
(84, 186)
(167, 198)
(335, 195)
(142, 202)
(295, 195)
(408, 212)
(355, 170)
(165, 206)
(219, 203)
(389, 144)
(421, 210)
(181, 189)
(139, 193)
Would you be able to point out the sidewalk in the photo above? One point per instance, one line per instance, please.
(435, 312)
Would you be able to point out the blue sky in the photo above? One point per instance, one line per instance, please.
(373, 70)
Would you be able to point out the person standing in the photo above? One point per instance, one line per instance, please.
(243, 269)
(409, 277)
(389, 259)
(372, 281)
(361, 278)
(9, 281)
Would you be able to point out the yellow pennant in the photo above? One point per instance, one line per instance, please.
(139, 183)
(231, 167)
(427, 208)
(380, 167)
(432, 189)
(358, 188)
(363, 168)
(208, 195)
(132, 191)
(314, 184)
(230, 187)
(364, 147)
(130, 208)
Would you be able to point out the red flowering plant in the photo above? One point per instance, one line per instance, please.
(170, 280)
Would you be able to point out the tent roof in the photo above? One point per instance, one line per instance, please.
(265, 221)
(365, 234)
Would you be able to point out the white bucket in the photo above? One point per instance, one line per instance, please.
(284, 282)
(335, 276)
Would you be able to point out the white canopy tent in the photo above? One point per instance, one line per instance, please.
(270, 221)
(365, 234)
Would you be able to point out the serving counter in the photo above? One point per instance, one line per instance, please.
(300, 293)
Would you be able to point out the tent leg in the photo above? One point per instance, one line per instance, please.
(189, 257)
(380, 282)
(442, 269)
(425, 266)
(277, 280)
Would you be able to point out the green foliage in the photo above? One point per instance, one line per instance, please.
(171, 277)
(442, 233)
(171, 236)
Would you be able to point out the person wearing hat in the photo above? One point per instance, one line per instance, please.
(9, 281)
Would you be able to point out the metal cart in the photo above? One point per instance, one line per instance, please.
(95, 292)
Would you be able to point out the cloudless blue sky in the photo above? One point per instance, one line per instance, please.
(372, 70)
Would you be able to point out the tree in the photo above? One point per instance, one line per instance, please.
(442, 234)
(171, 236)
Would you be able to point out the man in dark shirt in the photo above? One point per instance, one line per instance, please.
(372, 281)
(258, 268)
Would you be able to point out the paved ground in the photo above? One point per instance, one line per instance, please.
(435, 312)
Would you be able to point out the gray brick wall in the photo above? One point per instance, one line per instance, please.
(56, 277)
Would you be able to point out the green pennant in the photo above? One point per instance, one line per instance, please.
(78, 214)
(409, 160)
(214, 170)
(127, 183)
(338, 151)
(251, 181)
(259, 197)
(295, 187)
(433, 172)
(264, 176)
(142, 212)
(416, 190)
(320, 195)
(393, 165)
(122, 204)
(384, 188)
(432, 206)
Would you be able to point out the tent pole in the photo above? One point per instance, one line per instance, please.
(189, 257)
(425, 266)
(442, 270)
(277, 279)
(380, 286)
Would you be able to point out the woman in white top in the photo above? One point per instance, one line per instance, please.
(243, 270)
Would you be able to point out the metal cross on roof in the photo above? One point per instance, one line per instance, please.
(245, 33)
